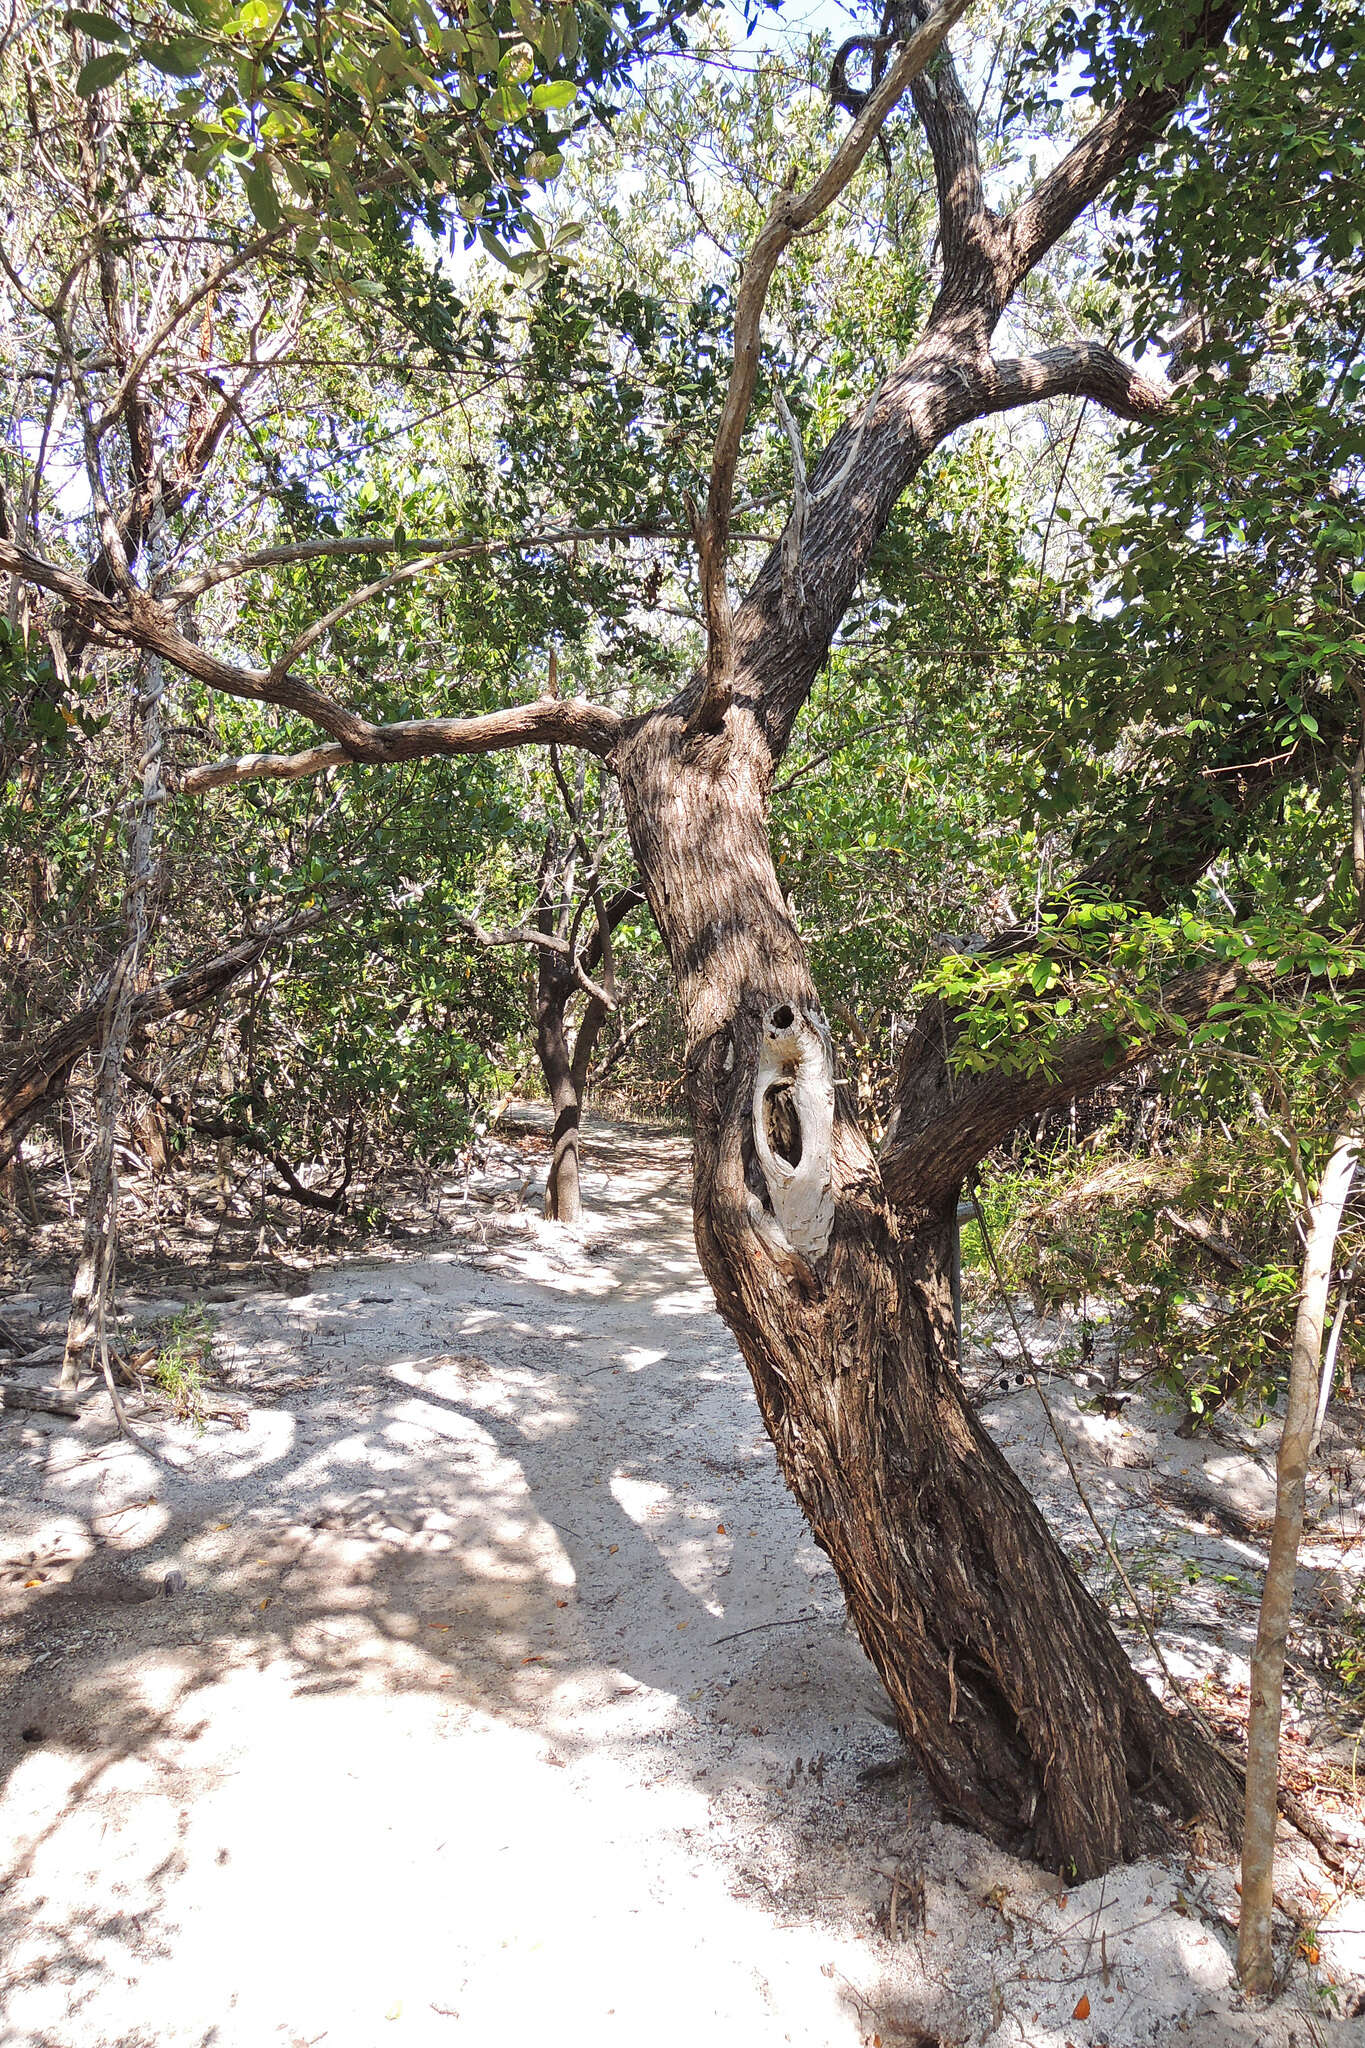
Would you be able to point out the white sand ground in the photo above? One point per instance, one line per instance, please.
(468, 1725)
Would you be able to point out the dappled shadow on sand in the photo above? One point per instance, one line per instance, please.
(505, 1698)
(470, 1678)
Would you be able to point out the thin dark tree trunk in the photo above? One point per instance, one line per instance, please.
(566, 1070)
(1008, 1683)
(94, 1276)
(566, 1055)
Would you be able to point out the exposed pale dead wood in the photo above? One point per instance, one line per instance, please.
(39, 1401)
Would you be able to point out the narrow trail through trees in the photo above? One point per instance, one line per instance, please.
(473, 1677)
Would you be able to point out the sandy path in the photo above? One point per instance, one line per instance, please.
(451, 1735)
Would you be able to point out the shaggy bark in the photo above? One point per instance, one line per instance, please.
(1008, 1683)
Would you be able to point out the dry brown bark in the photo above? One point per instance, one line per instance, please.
(1009, 1685)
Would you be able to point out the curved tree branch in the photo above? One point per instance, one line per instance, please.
(231, 566)
(950, 1124)
(790, 213)
(1081, 370)
(549, 721)
(136, 620)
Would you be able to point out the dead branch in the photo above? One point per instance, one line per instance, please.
(1206, 1236)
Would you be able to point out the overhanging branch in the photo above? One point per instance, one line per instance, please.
(133, 619)
(936, 1141)
(40, 1074)
(1082, 370)
(229, 567)
(549, 721)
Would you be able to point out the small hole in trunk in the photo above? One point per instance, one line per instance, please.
(783, 1018)
(782, 1123)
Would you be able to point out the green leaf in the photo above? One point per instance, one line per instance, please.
(99, 28)
(554, 94)
(181, 57)
(101, 72)
(495, 248)
(260, 193)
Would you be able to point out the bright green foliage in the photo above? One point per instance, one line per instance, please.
(329, 116)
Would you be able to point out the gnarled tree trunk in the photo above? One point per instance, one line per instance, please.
(565, 1066)
(832, 1270)
(1008, 1683)
(565, 968)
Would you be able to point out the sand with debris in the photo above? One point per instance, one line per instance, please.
(472, 1678)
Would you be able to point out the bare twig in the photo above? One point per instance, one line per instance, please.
(229, 567)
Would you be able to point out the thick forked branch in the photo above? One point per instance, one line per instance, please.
(1121, 134)
(946, 381)
(791, 212)
(944, 1126)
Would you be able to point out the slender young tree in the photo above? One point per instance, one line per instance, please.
(1322, 1222)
